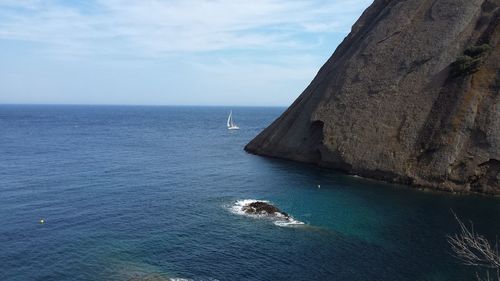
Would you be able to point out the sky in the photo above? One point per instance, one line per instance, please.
(167, 52)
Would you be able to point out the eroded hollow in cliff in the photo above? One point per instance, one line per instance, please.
(491, 172)
(315, 141)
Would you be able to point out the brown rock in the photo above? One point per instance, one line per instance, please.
(410, 96)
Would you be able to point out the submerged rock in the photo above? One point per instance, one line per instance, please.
(156, 277)
(152, 277)
(411, 96)
(263, 208)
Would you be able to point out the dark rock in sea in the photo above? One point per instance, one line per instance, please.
(410, 96)
(152, 277)
(263, 208)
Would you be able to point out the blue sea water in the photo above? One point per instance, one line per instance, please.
(133, 192)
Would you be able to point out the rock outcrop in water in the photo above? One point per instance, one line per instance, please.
(411, 96)
(263, 208)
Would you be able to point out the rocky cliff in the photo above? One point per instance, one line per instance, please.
(411, 96)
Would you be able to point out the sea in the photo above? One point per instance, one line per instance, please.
(152, 193)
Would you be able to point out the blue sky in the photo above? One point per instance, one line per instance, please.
(172, 52)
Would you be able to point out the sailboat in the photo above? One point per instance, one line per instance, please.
(230, 123)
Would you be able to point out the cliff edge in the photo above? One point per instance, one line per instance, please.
(410, 96)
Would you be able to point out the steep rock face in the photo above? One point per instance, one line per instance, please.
(410, 96)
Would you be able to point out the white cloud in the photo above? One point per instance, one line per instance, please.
(246, 52)
(154, 28)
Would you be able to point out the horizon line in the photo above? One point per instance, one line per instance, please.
(125, 104)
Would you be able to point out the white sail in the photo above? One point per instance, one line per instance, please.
(230, 120)
(230, 123)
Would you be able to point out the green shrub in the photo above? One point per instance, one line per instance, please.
(464, 65)
(477, 51)
(470, 61)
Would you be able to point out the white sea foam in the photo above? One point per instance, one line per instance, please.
(278, 219)
(288, 222)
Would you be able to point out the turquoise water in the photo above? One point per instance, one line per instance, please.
(131, 192)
